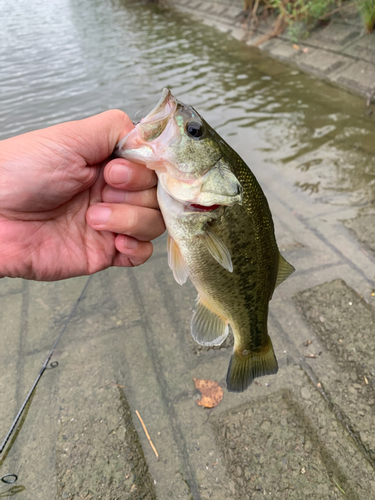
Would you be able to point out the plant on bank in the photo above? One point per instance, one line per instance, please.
(298, 15)
(367, 11)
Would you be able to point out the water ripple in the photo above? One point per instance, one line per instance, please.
(68, 59)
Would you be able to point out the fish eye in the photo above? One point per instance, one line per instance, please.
(194, 129)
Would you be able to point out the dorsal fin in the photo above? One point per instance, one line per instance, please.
(217, 249)
(176, 262)
(284, 270)
(207, 327)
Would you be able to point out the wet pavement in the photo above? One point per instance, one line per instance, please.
(307, 432)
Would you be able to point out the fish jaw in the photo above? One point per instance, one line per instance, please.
(166, 140)
(149, 141)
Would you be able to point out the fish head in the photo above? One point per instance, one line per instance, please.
(186, 153)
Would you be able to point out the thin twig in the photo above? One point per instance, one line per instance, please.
(369, 98)
(209, 414)
(279, 27)
(147, 434)
(254, 13)
(321, 18)
(342, 491)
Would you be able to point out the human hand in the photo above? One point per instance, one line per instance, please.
(65, 210)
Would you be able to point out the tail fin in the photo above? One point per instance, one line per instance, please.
(245, 366)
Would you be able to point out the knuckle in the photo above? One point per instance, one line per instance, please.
(148, 197)
(132, 219)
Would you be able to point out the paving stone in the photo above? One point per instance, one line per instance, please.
(206, 7)
(320, 62)
(359, 77)
(195, 4)
(282, 50)
(274, 432)
(364, 48)
(363, 227)
(238, 34)
(10, 286)
(233, 12)
(335, 35)
(344, 323)
(219, 9)
(215, 8)
(97, 433)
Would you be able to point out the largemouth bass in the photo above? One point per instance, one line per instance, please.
(220, 232)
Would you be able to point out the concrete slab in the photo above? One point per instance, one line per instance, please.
(282, 50)
(217, 9)
(98, 453)
(363, 48)
(233, 12)
(293, 454)
(344, 323)
(320, 62)
(11, 286)
(335, 36)
(195, 4)
(363, 227)
(359, 77)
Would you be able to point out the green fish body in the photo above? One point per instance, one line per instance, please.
(220, 233)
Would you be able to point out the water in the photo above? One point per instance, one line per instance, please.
(66, 60)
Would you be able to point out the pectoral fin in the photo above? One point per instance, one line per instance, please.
(176, 262)
(284, 270)
(217, 249)
(207, 327)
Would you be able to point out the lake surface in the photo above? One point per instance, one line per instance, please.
(69, 59)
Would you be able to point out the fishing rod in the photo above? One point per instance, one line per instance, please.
(12, 478)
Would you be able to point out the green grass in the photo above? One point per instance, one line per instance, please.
(367, 10)
(300, 16)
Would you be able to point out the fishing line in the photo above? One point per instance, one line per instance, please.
(11, 478)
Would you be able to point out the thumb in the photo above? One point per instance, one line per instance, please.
(95, 138)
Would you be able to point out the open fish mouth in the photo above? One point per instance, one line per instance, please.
(166, 101)
(136, 145)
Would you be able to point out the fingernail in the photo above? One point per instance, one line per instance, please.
(119, 174)
(130, 242)
(100, 215)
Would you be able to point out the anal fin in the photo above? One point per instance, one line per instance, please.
(207, 327)
(176, 262)
(246, 365)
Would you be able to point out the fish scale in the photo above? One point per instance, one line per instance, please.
(220, 232)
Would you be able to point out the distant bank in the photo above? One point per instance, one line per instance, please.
(340, 52)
